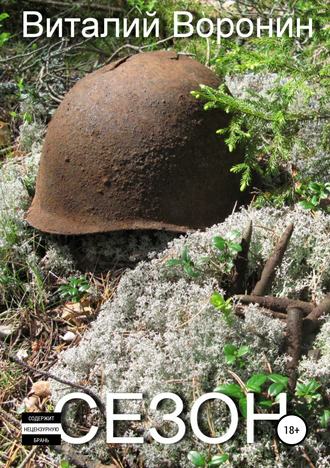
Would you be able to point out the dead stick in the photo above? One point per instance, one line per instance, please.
(307, 457)
(241, 262)
(313, 320)
(62, 381)
(294, 340)
(268, 273)
(28, 457)
(10, 417)
(278, 304)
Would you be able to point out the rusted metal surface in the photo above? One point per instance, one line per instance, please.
(130, 148)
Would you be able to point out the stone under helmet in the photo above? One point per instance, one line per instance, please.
(130, 148)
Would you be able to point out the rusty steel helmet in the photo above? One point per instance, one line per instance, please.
(130, 148)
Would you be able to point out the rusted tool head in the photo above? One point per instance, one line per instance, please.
(130, 148)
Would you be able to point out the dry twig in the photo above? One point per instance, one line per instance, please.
(62, 381)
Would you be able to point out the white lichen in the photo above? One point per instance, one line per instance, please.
(160, 333)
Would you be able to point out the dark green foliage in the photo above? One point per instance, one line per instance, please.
(185, 263)
(265, 386)
(225, 306)
(308, 391)
(234, 355)
(227, 249)
(4, 36)
(74, 289)
(267, 126)
(315, 196)
(143, 5)
(325, 419)
(199, 459)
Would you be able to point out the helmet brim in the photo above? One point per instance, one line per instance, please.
(52, 223)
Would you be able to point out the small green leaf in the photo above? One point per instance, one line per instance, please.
(300, 389)
(325, 418)
(315, 200)
(307, 205)
(196, 458)
(173, 262)
(218, 460)
(229, 349)
(219, 242)
(185, 255)
(312, 386)
(257, 380)
(243, 350)
(243, 406)
(265, 403)
(65, 464)
(231, 390)
(253, 389)
(275, 389)
(190, 271)
(314, 186)
(3, 16)
(230, 359)
(236, 247)
(278, 378)
(217, 300)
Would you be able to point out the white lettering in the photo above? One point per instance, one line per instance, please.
(233, 418)
(301, 28)
(72, 22)
(222, 34)
(107, 21)
(268, 27)
(111, 417)
(252, 416)
(281, 29)
(154, 25)
(36, 24)
(92, 30)
(93, 430)
(173, 417)
(203, 31)
(239, 25)
(178, 23)
(50, 31)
